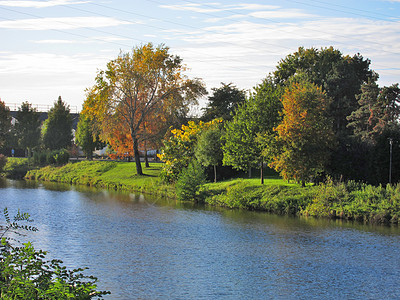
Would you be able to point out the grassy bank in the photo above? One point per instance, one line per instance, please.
(106, 174)
(16, 167)
(350, 201)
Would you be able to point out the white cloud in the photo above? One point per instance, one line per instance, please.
(43, 63)
(244, 52)
(62, 23)
(55, 42)
(215, 7)
(99, 39)
(42, 77)
(280, 14)
(40, 4)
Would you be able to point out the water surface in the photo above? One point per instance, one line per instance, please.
(146, 248)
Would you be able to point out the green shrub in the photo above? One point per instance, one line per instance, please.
(61, 157)
(40, 158)
(3, 161)
(55, 157)
(329, 200)
(16, 167)
(189, 182)
(235, 196)
(25, 274)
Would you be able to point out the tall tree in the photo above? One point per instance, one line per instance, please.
(5, 123)
(223, 102)
(57, 129)
(86, 137)
(148, 81)
(379, 109)
(27, 127)
(209, 148)
(339, 76)
(259, 114)
(305, 134)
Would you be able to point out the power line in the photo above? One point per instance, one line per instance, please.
(280, 23)
(113, 34)
(347, 7)
(215, 32)
(175, 23)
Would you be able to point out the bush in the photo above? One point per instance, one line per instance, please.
(55, 157)
(25, 274)
(40, 158)
(16, 167)
(189, 182)
(329, 200)
(3, 161)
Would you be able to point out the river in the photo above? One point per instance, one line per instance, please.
(147, 248)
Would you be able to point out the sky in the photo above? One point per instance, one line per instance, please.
(56, 47)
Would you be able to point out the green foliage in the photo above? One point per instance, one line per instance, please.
(58, 157)
(329, 200)
(223, 102)
(339, 76)
(27, 127)
(350, 201)
(305, 135)
(25, 274)
(259, 114)
(179, 148)
(5, 123)
(356, 201)
(16, 167)
(105, 174)
(55, 157)
(57, 129)
(40, 158)
(84, 136)
(209, 148)
(274, 196)
(379, 159)
(3, 162)
(189, 182)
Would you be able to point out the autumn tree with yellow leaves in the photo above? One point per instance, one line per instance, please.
(304, 137)
(179, 147)
(138, 87)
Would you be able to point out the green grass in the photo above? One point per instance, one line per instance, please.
(16, 167)
(105, 174)
(350, 200)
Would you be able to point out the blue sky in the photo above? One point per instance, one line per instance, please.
(55, 47)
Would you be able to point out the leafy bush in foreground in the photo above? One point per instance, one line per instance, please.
(25, 274)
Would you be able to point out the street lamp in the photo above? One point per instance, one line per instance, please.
(390, 160)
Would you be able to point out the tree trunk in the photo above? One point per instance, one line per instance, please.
(137, 155)
(146, 159)
(215, 173)
(249, 172)
(262, 172)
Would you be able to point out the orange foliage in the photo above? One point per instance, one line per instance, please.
(305, 135)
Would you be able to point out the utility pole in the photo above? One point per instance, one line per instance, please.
(390, 160)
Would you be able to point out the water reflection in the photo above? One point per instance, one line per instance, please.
(146, 247)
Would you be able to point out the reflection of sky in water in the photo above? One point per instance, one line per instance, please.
(157, 248)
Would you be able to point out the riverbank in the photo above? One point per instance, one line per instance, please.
(350, 201)
(106, 174)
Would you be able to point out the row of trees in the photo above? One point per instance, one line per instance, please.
(320, 113)
(30, 133)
